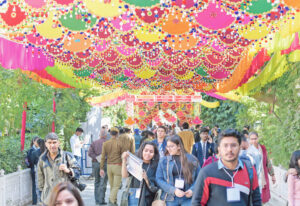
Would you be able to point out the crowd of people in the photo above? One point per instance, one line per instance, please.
(181, 166)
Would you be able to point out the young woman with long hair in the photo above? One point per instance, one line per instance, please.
(65, 194)
(142, 193)
(294, 180)
(176, 173)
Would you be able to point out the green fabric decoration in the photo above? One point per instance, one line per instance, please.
(258, 6)
(142, 3)
(77, 21)
(200, 70)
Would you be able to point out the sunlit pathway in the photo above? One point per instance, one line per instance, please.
(88, 194)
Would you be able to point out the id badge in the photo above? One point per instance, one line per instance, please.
(138, 193)
(179, 183)
(233, 194)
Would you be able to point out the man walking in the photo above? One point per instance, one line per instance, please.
(111, 153)
(127, 140)
(55, 166)
(203, 149)
(100, 183)
(230, 181)
(187, 137)
(76, 144)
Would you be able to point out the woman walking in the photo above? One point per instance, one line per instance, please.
(142, 193)
(294, 180)
(176, 173)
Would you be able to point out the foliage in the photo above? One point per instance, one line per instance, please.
(15, 89)
(277, 121)
(224, 115)
(117, 114)
(10, 154)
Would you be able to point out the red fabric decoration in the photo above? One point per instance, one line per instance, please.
(23, 126)
(13, 16)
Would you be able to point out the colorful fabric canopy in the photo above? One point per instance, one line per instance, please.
(203, 45)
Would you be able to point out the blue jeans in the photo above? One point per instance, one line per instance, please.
(78, 160)
(180, 201)
(33, 180)
(132, 201)
(100, 183)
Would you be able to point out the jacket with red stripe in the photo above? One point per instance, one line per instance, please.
(212, 183)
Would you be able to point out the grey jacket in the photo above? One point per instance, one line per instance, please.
(49, 175)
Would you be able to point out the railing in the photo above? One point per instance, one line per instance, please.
(15, 188)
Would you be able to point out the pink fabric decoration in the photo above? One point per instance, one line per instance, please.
(213, 17)
(294, 46)
(36, 3)
(16, 56)
(126, 26)
(221, 74)
(215, 96)
(126, 51)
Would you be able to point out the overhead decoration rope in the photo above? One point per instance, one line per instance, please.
(206, 45)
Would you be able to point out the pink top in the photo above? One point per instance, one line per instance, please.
(294, 190)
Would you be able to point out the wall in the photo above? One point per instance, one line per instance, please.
(15, 188)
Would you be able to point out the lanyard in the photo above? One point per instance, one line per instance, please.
(231, 177)
(146, 173)
(178, 169)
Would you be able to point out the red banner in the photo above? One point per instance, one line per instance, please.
(23, 126)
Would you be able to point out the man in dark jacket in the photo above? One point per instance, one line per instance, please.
(229, 181)
(203, 149)
(100, 183)
(55, 166)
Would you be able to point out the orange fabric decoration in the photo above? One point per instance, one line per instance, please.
(78, 43)
(293, 3)
(129, 121)
(183, 43)
(176, 24)
(37, 78)
(238, 74)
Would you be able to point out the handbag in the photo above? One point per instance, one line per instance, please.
(125, 193)
(75, 181)
(157, 201)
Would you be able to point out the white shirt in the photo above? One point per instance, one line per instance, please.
(75, 145)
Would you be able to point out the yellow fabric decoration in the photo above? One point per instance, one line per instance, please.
(255, 31)
(99, 8)
(187, 76)
(294, 56)
(210, 104)
(68, 71)
(145, 73)
(107, 97)
(277, 43)
(149, 34)
(289, 26)
(274, 69)
(48, 29)
(231, 96)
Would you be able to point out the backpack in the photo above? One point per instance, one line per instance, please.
(250, 172)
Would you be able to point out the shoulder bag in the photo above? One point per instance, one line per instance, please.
(125, 193)
(158, 201)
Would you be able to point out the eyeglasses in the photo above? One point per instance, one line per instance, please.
(171, 146)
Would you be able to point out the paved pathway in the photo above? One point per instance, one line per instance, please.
(88, 194)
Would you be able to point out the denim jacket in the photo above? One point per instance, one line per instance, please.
(161, 176)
